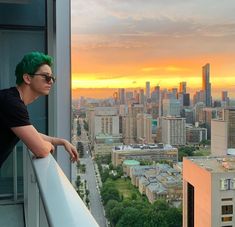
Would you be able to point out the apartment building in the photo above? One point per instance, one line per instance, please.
(223, 132)
(173, 130)
(144, 128)
(208, 191)
(194, 135)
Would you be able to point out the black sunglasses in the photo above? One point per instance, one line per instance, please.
(45, 76)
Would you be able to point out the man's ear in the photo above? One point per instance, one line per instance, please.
(27, 78)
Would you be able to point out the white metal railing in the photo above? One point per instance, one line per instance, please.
(50, 199)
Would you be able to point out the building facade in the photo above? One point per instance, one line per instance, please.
(173, 130)
(144, 153)
(208, 200)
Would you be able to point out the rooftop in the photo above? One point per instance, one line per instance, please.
(131, 162)
(159, 146)
(215, 164)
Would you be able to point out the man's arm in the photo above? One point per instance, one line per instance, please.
(67, 145)
(32, 139)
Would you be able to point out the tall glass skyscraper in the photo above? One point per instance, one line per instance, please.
(206, 85)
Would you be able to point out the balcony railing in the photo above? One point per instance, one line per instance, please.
(50, 199)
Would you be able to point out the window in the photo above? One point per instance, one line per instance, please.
(227, 209)
(224, 219)
(227, 199)
(232, 183)
(224, 184)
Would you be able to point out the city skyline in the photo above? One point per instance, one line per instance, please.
(123, 45)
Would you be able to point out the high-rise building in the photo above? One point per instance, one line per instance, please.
(147, 90)
(205, 117)
(223, 133)
(171, 107)
(155, 95)
(208, 191)
(144, 128)
(106, 121)
(224, 99)
(182, 87)
(141, 97)
(173, 130)
(197, 109)
(224, 96)
(121, 95)
(198, 97)
(129, 125)
(194, 135)
(206, 85)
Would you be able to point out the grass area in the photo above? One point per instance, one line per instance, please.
(203, 151)
(126, 189)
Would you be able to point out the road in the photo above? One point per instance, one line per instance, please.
(96, 206)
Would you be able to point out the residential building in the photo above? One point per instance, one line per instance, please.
(171, 107)
(205, 117)
(173, 130)
(208, 191)
(223, 132)
(144, 128)
(194, 135)
(106, 121)
(129, 123)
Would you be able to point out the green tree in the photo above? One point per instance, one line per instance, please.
(86, 127)
(131, 218)
(173, 217)
(109, 206)
(116, 213)
(110, 193)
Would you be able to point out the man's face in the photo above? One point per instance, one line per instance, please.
(42, 80)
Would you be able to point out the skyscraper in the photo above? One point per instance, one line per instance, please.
(121, 95)
(147, 90)
(206, 85)
(182, 87)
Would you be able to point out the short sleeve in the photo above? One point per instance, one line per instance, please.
(15, 112)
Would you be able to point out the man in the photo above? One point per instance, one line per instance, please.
(33, 78)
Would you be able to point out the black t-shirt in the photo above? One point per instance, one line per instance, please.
(13, 113)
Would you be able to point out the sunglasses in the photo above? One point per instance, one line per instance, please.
(45, 76)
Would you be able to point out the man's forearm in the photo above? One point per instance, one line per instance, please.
(55, 141)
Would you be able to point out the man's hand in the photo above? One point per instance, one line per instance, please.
(67, 145)
(71, 150)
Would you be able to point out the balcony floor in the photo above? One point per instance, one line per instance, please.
(12, 215)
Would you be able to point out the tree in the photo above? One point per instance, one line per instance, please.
(116, 213)
(110, 194)
(133, 196)
(86, 127)
(131, 218)
(109, 206)
(174, 217)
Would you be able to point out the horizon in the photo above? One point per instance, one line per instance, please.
(125, 44)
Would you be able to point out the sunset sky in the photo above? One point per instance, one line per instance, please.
(124, 43)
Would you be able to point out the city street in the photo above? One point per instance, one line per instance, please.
(96, 206)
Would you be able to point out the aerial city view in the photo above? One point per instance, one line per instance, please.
(153, 106)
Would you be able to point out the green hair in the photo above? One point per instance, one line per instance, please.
(30, 64)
